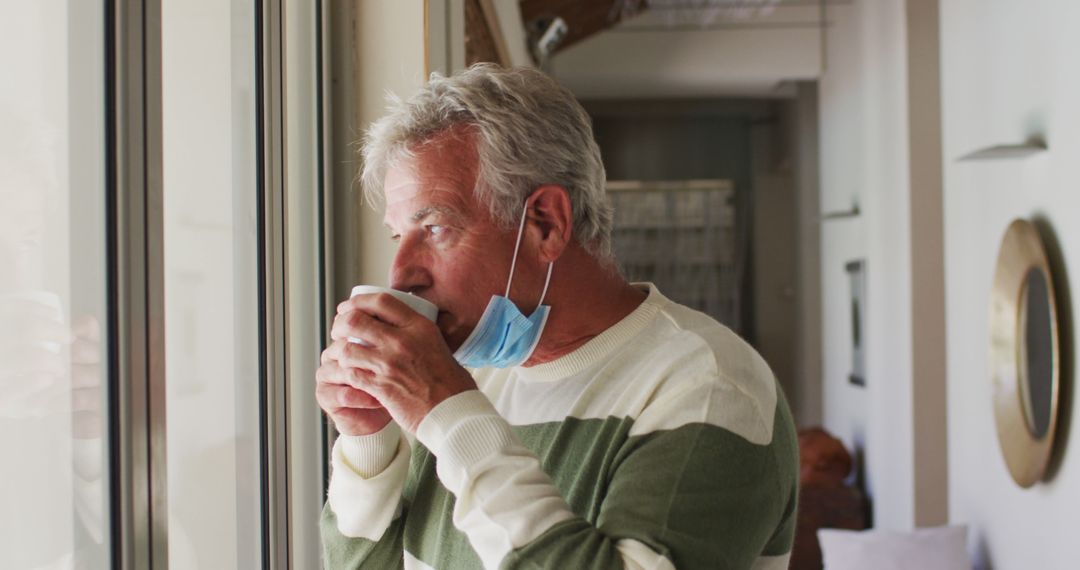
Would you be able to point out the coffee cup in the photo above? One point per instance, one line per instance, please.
(422, 306)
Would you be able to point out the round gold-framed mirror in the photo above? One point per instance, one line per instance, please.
(1024, 353)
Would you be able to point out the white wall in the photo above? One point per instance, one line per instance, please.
(863, 150)
(868, 115)
(389, 58)
(381, 51)
(446, 36)
(1009, 72)
(508, 14)
(641, 59)
(841, 113)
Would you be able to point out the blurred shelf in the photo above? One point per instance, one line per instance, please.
(690, 227)
(670, 185)
(1005, 151)
(841, 215)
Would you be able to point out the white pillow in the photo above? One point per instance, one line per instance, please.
(939, 548)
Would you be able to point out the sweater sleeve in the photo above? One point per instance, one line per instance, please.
(670, 501)
(362, 519)
(505, 501)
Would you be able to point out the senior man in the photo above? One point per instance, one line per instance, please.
(554, 415)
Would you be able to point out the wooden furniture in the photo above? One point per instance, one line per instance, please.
(825, 500)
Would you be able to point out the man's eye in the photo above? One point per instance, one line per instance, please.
(435, 230)
(395, 237)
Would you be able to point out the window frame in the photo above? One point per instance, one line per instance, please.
(136, 394)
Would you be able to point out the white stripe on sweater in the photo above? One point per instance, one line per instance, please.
(365, 507)
(696, 370)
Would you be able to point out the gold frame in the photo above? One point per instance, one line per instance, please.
(1021, 251)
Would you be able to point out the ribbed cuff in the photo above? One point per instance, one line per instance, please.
(365, 506)
(462, 431)
(369, 455)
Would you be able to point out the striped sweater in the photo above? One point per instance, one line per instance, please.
(664, 442)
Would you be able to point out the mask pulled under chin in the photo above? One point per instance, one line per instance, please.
(505, 337)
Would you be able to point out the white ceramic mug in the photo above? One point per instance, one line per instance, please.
(422, 306)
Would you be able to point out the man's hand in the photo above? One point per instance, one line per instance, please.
(38, 377)
(408, 368)
(33, 363)
(353, 411)
(87, 397)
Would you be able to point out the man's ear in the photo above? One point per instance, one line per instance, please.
(551, 218)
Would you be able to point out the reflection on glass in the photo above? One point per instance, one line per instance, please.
(1036, 350)
(53, 482)
(211, 325)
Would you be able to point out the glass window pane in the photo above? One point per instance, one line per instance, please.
(304, 282)
(211, 306)
(53, 478)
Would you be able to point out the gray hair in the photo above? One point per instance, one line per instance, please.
(529, 131)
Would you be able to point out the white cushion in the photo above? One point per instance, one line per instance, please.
(940, 548)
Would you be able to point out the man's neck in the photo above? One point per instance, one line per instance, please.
(589, 300)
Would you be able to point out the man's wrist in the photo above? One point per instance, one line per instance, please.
(441, 420)
(369, 455)
(463, 430)
(363, 422)
(367, 499)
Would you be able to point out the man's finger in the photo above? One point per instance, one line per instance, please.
(87, 327)
(353, 398)
(339, 374)
(85, 351)
(360, 324)
(335, 396)
(86, 400)
(341, 349)
(85, 375)
(355, 358)
(331, 373)
(384, 307)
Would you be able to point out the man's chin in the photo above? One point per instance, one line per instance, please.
(452, 333)
(454, 342)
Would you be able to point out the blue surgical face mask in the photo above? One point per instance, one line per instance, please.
(505, 337)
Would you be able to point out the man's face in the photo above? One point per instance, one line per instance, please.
(450, 252)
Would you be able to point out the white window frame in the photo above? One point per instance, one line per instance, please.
(293, 265)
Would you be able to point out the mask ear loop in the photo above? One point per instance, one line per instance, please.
(517, 246)
(513, 263)
(547, 281)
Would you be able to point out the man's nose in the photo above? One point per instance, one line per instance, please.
(408, 272)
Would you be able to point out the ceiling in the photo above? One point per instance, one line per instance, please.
(687, 48)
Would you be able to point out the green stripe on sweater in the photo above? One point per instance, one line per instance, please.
(341, 551)
(699, 494)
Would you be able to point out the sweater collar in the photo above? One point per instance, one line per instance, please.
(600, 346)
